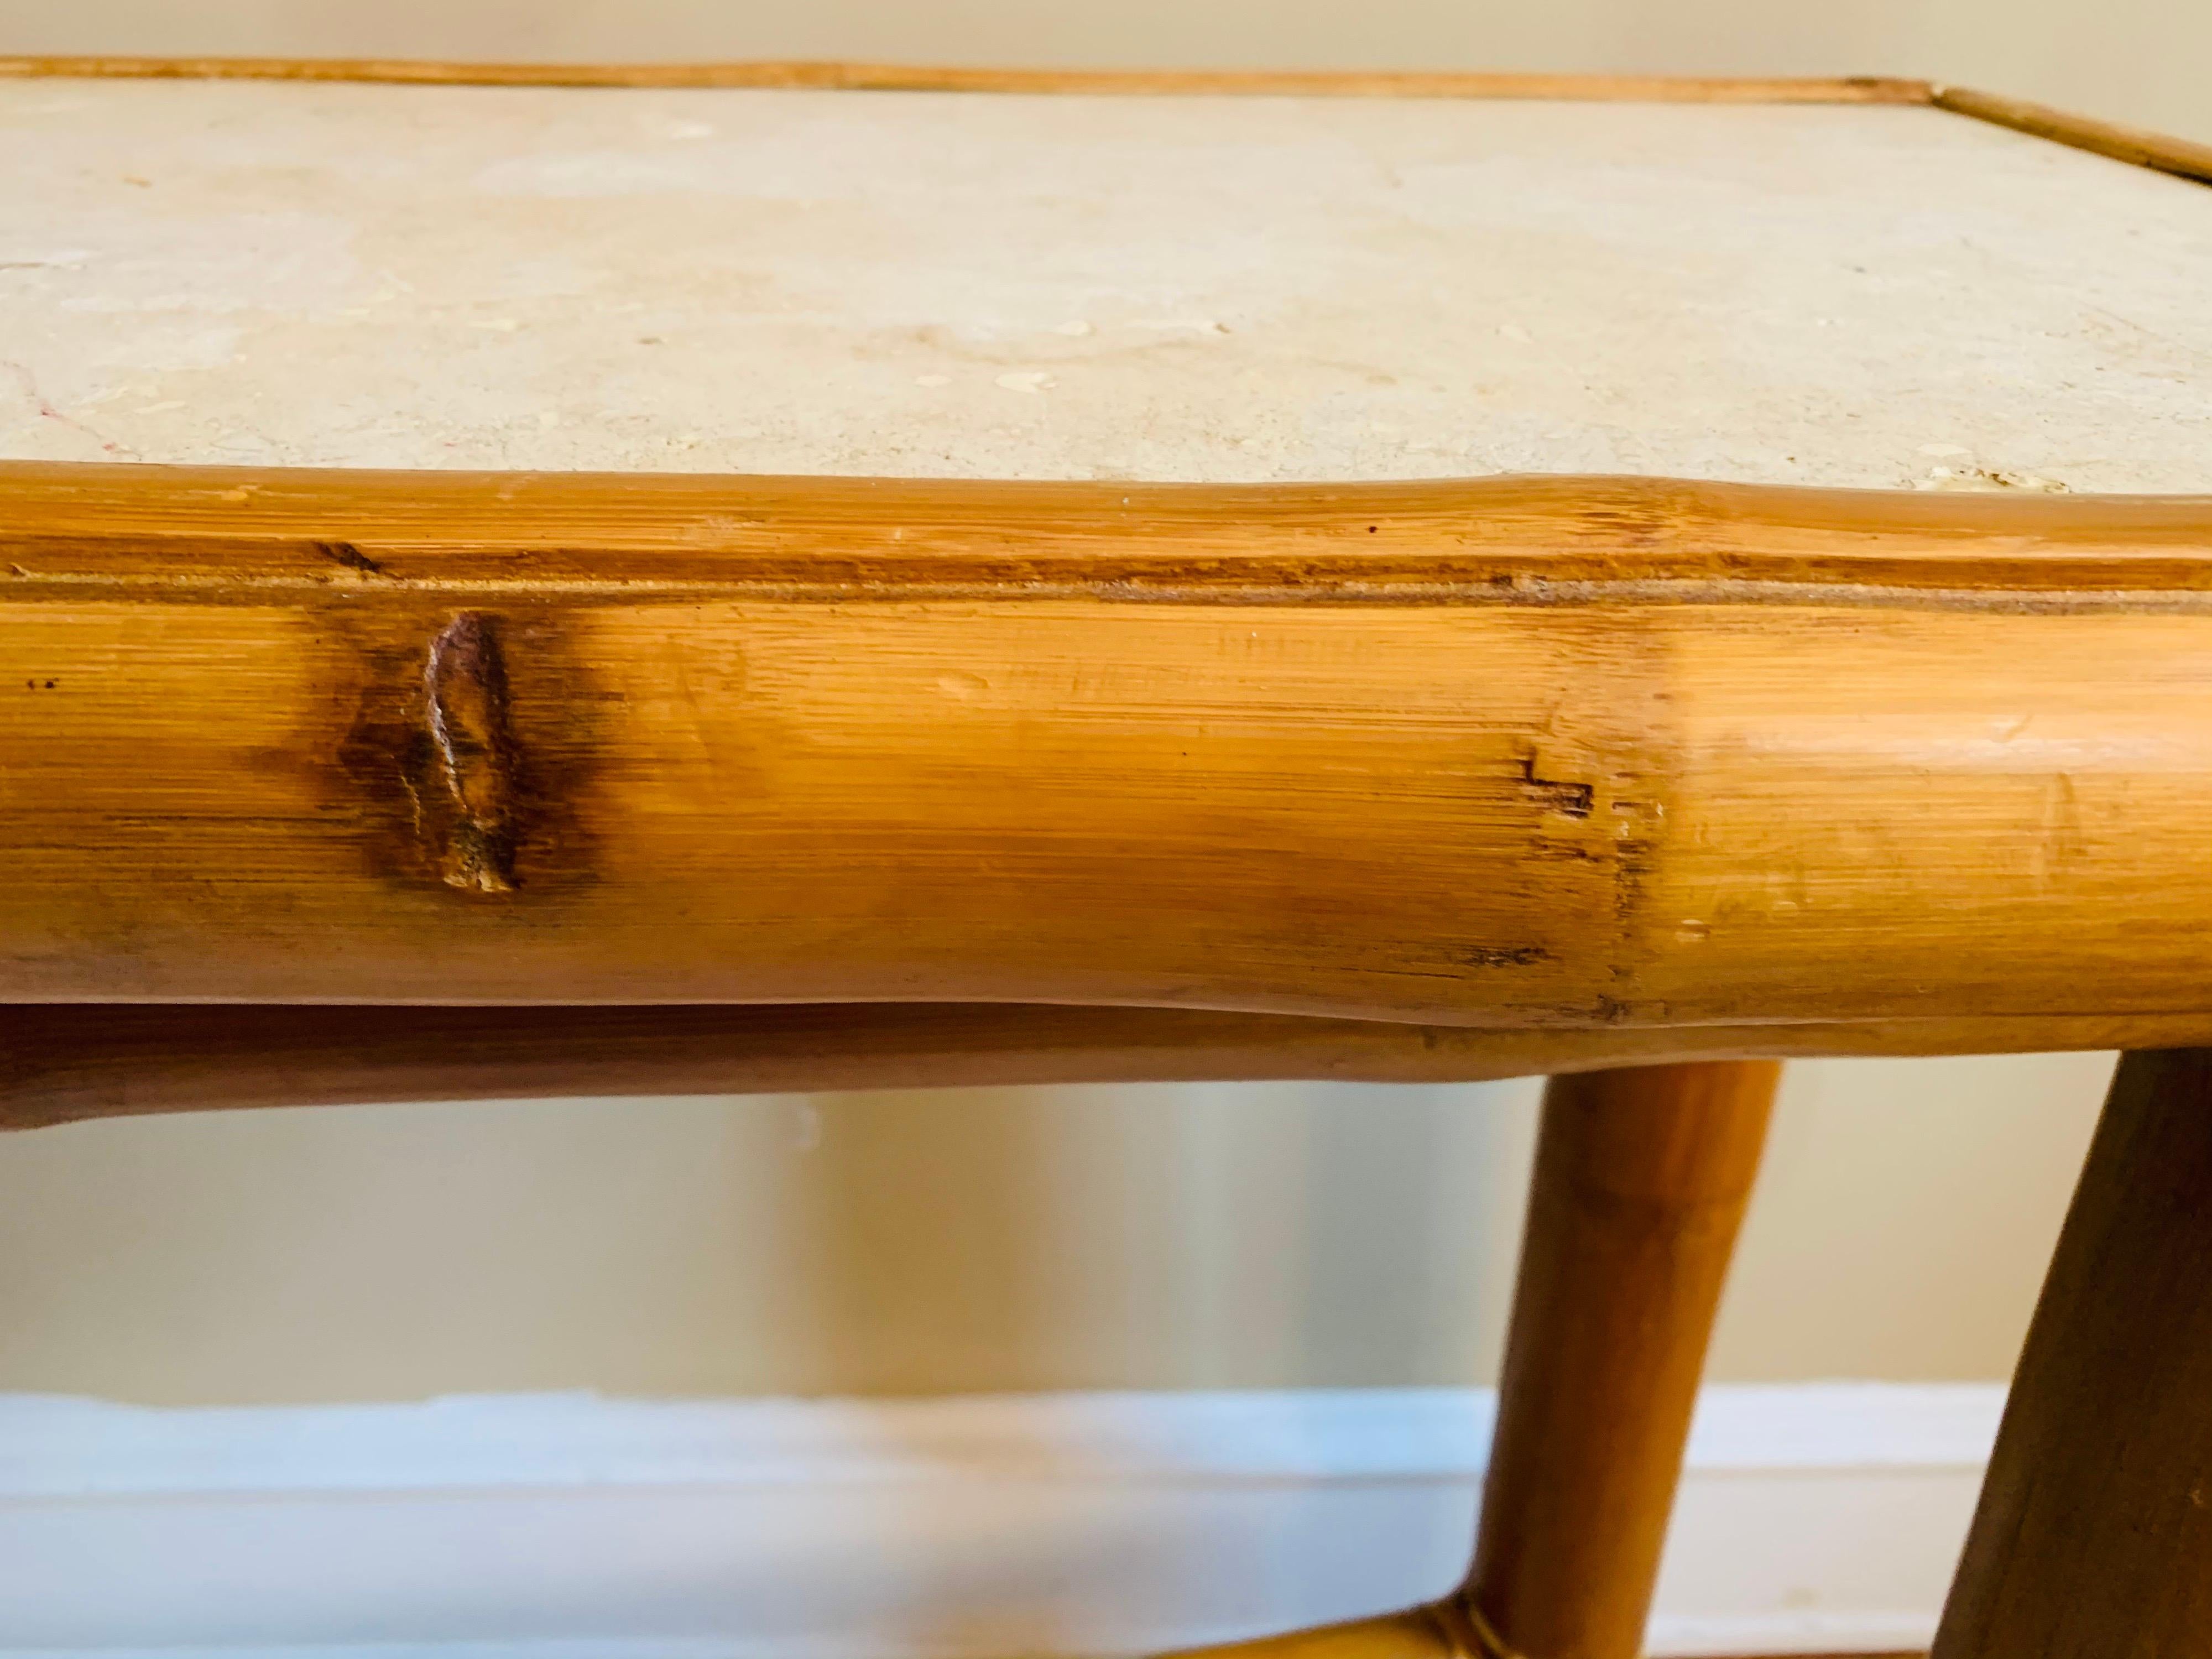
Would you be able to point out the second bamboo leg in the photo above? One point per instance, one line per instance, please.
(2093, 1536)
(1641, 1180)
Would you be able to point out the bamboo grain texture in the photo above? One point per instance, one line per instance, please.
(1522, 754)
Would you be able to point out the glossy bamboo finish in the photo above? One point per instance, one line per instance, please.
(188, 532)
(1548, 754)
(59, 1062)
(1641, 1180)
(2093, 1536)
(906, 78)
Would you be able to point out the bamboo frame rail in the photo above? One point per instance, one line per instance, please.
(2130, 144)
(63, 1062)
(847, 76)
(2133, 145)
(1522, 755)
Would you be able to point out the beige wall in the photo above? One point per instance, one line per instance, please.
(1049, 1238)
(1243, 1236)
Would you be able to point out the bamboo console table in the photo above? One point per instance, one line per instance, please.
(523, 581)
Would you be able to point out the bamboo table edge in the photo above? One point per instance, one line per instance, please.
(1501, 538)
(2182, 157)
(844, 76)
(327, 585)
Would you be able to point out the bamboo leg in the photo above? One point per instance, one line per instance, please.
(1641, 1179)
(2093, 1536)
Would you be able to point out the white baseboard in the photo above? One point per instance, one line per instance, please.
(1814, 1518)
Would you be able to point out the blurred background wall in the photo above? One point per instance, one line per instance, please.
(1186, 1237)
(1213, 1236)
